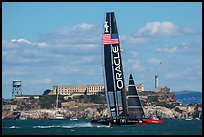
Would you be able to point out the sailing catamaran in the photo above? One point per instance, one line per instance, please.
(57, 115)
(120, 112)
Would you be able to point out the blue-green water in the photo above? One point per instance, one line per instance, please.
(84, 127)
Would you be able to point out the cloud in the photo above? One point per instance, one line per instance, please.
(83, 26)
(154, 61)
(134, 54)
(135, 65)
(188, 70)
(179, 48)
(14, 71)
(41, 44)
(76, 46)
(41, 81)
(27, 42)
(166, 28)
(133, 40)
(21, 41)
(22, 55)
(80, 39)
(167, 50)
(187, 73)
(6, 45)
(77, 34)
(72, 51)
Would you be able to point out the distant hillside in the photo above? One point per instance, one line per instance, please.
(188, 97)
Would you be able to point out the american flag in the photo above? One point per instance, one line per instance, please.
(110, 39)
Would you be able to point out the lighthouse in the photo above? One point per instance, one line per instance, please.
(156, 83)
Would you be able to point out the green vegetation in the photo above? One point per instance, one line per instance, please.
(96, 98)
(153, 98)
(196, 112)
(31, 98)
(178, 110)
(26, 104)
(49, 101)
(166, 105)
(14, 102)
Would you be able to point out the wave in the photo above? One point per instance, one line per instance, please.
(13, 127)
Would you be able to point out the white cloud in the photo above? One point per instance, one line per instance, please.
(166, 28)
(22, 57)
(75, 54)
(179, 48)
(190, 69)
(41, 81)
(132, 40)
(134, 54)
(135, 65)
(167, 50)
(154, 61)
(41, 44)
(79, 38)
(27, 42)
(84, 26)
(8, 45)
(21, 41)
(14, 71)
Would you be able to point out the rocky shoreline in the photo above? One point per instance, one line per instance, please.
(179, 112)
(92, 107)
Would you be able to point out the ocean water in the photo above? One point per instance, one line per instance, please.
(84, 127)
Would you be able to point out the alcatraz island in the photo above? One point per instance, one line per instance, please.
(89, 102)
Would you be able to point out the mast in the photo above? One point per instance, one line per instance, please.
(109, 86)
(135, 109)
(57, 100)
(118, 71)
(114, 78)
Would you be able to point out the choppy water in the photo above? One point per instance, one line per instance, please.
(84, 127)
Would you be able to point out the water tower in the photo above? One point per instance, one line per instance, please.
(17, 85)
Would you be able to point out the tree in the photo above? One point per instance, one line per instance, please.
(46, 101)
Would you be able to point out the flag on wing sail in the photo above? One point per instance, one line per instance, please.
(110, 39)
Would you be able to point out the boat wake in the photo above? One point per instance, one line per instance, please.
(44, 126)
(77, 125)
(11, 127)
(71, 125)
(83, 124)
(14, 127)
(66, 125)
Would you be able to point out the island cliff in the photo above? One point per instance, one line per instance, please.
(163, 105)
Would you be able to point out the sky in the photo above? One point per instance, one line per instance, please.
(50, 43)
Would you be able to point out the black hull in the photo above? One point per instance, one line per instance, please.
(117, 121)
(126, 121)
